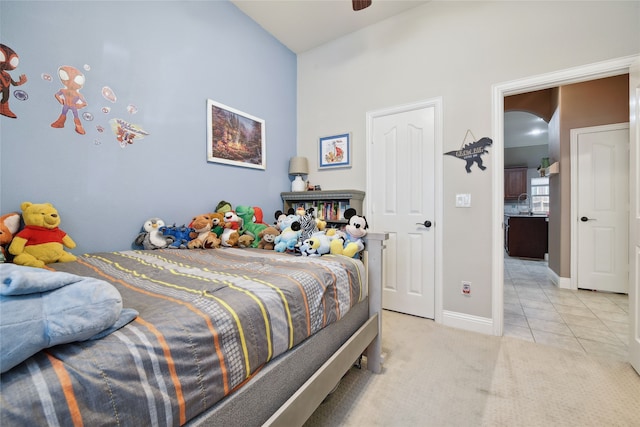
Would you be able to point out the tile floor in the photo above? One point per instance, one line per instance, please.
(535, 309)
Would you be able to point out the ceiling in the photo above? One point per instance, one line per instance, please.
(523, 129)
(302, 25)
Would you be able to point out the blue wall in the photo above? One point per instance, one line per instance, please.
(166, 58)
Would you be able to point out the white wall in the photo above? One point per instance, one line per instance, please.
(456, 50)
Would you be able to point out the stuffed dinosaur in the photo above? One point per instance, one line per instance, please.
(249, 227)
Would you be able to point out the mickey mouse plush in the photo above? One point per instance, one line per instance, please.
(355, 230)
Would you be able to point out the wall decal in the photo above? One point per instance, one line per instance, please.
(70, 97)
(471, 152)
(109, 94)
(72, 100)
(126, 132)
(9, 60)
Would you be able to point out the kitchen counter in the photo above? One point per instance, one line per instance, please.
(526, 236)
(524, 215)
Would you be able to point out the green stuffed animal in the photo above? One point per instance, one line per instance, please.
(249, 227)
(223, 207)
(41, 241)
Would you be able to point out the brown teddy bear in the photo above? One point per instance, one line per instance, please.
(267, 238)
(41, 241)
(218, 223)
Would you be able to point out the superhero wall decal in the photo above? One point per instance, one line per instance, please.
(9, 60)
(70, 97)
(72, 102)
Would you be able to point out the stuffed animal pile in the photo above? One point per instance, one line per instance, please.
(41, 242)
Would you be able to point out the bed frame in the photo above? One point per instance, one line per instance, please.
(304, 402)
(289, 404)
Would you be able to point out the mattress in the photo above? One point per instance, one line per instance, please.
(209, 321)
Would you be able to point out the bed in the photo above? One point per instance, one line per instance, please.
(222, 337)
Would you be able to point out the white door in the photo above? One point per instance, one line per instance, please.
(602, 219)
(634, 217)
(402, 198)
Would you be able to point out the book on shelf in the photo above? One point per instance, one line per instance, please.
(329, 210)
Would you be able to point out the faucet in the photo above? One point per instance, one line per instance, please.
(528, 206)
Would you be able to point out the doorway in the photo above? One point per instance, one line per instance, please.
(565, 77)
(537, 309)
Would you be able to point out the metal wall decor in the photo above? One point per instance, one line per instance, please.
(472, 151)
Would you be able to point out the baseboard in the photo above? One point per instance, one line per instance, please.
(467, 322)
(561, 282)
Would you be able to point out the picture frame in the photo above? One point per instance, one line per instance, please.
(234, 137)
(335, 151)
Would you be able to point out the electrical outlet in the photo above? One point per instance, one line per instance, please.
(466, 288)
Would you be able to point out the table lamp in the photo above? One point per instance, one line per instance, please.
(298, 166)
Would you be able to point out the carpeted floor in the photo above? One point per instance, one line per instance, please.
(434, 375)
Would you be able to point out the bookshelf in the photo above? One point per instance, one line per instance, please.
(329, 204)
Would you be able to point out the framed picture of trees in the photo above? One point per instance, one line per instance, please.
(234, 137)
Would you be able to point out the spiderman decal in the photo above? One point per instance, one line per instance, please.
(70, 97)
(8, 61)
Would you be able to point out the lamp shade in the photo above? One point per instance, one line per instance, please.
(298, 166)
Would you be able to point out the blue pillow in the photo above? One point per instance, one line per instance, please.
(40, 308)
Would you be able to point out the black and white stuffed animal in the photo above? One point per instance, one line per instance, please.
(308, 224)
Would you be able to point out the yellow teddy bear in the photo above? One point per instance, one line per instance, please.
(41, 241)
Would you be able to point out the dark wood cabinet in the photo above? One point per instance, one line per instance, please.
(527, 236)
(515, 182)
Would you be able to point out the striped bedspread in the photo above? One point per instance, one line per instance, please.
(209, 320)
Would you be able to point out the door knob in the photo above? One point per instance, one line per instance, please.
(427, 223)
(585, 219)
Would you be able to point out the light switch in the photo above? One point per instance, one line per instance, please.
(463, 200)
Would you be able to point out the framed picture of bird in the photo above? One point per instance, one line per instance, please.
(235, 138)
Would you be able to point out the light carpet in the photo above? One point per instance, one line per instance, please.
(435, 375)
